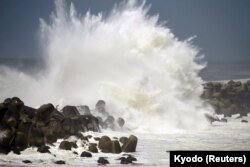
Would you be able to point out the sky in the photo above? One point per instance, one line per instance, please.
(221, 27)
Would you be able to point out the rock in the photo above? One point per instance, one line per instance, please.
(92, 148)
(127, 160)
(3, 110)
(53, 131)
(116, 148)
(86, 154)
(6, 139)
(70, 111)
(36, 137)
(244, 121)
(108, 146)
(85, 138)
(102, 161)
(223, 120)
(130, 158)
(100, 106)
(110, 121)
(27, 161)
(85, 110)
(74, 152)
(43, 149)
(89, 123)
(21, 140)
(105, 144)
(89, 136)
(120, 122)
(97, 138)
(28, 111)
(130, 144)
(16, 150)
(60, 162)
(66, 145)
(123, 139)
(43, 112)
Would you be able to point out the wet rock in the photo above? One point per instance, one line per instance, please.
(244, 121)
(102, 161)
(89, 123)
(116, 148)
(130, 144)
(109, 146)
(110, 122)
(6, 140)
(85, 138)
(127, 160)
(130, 158)
(123, 139)
(66, 145)
(97, 138)
(36, 137)
(86, 154)
(74, 152)
(16, 150)
(27, 161)
(89, 136)
(70, 111)
(43, 112)
(85, 110)
(60, 162)
(92, 148)
(105, 144)
(3, 110)
(120, 122)
(21, 140)
(43, 149)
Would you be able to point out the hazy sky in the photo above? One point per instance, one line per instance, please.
(222, 27)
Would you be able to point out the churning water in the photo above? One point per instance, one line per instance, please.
(127, 58)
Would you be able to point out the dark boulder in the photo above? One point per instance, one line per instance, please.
(60, 162)
(105, 144)
(86, 154)
(66, 145)
(43, 149)
(92, 148)
(130, 144)
(127, 160)
(84, 110)
(3, 110)
(116, 148)
(6, 140)
(89, 123)
(110, 120)
(21, 140)
(43, 112)
(123, 139)
(102, 161)
(101, 107)
(109, 146)
(70, 111)
(27, 161)
(244, 121)
(36, 137)
(120, 122)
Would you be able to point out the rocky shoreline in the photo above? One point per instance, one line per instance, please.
(47, 128)
(23, 127)
(228, 98)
